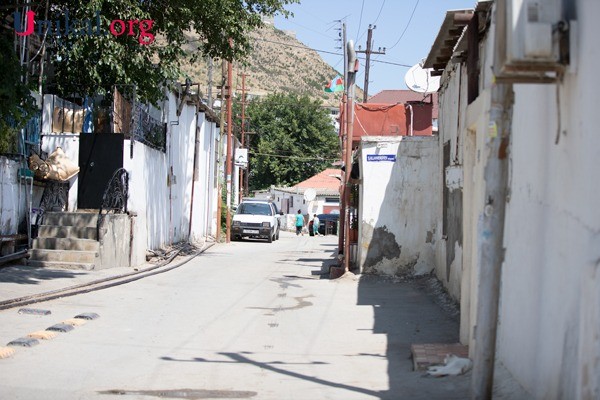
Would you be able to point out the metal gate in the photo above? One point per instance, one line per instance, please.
(100, 155)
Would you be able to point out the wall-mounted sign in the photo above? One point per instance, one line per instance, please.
(381, 157)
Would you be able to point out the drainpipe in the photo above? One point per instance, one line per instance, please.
(411, 118)
(490, 232)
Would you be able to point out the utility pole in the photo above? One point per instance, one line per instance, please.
(343, 133)
(490, 231)
(229, 145)
(221, 125)
(210, 81)
(352, 69)
(368, 53)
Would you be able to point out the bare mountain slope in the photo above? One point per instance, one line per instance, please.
(278, 63)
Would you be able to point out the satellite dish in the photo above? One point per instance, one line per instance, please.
(310, 194)
(419, 79)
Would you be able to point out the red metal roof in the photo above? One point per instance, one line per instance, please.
(324, 180)
(405, 96)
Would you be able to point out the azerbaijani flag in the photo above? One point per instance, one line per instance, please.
(336, 85)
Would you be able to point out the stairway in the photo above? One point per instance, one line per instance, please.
(67, 240)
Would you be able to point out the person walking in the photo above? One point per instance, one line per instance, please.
(316, 225)
(299, 223)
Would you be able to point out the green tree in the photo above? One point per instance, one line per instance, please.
(293, 140)
(16, 104)
(87, 63)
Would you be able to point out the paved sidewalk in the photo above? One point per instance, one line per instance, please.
(19, 280)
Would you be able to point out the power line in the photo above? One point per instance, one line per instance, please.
(406, 27)
(312, 30)
(360, 19)
(380, 9)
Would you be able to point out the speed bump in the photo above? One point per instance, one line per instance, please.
(24, 342)
(60, 328)
(6, 352)
(87, 316)
(43, 335)
(75, 321)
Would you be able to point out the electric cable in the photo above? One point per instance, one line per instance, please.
(406, 27)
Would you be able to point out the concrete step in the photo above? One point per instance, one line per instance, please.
(51, 243)
(78, 219)
(73, 232)
(71, 256)
(61, 265)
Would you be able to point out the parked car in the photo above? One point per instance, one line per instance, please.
(328, 223)
(256, 219)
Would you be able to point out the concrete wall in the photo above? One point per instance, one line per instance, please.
(115, 243)
(161, 184)
(549, 333)
(549, 316)
(12, 197)
(452, 132)
(203, 204)
(148, 197)
(180, 151)
(399, 205)
(316, 206)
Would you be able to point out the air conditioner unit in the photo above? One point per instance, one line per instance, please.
(533, 40)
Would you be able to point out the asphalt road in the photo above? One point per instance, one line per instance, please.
(243, 320)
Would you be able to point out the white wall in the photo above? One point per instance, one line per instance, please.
(549, 335)
(161, 183)
(453, 106)
(399, 210)
(148, 195)
(549, 316)
(12, 197)
(204, 206)
(180, 151)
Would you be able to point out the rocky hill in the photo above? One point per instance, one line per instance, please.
(278, 63)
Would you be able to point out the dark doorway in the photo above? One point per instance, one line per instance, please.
(100, 155)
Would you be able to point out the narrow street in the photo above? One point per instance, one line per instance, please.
(244, 320)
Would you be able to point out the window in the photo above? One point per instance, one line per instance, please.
(255, 209)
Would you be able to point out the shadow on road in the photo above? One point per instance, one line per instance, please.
(242, 358)
(408, 313)
(25, 275)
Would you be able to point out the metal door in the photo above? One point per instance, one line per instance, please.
(100, 155)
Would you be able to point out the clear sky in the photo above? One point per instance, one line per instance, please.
(407, 39)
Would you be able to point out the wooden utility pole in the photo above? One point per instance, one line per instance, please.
(368, 53)
(352, 69)
(342, 224)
